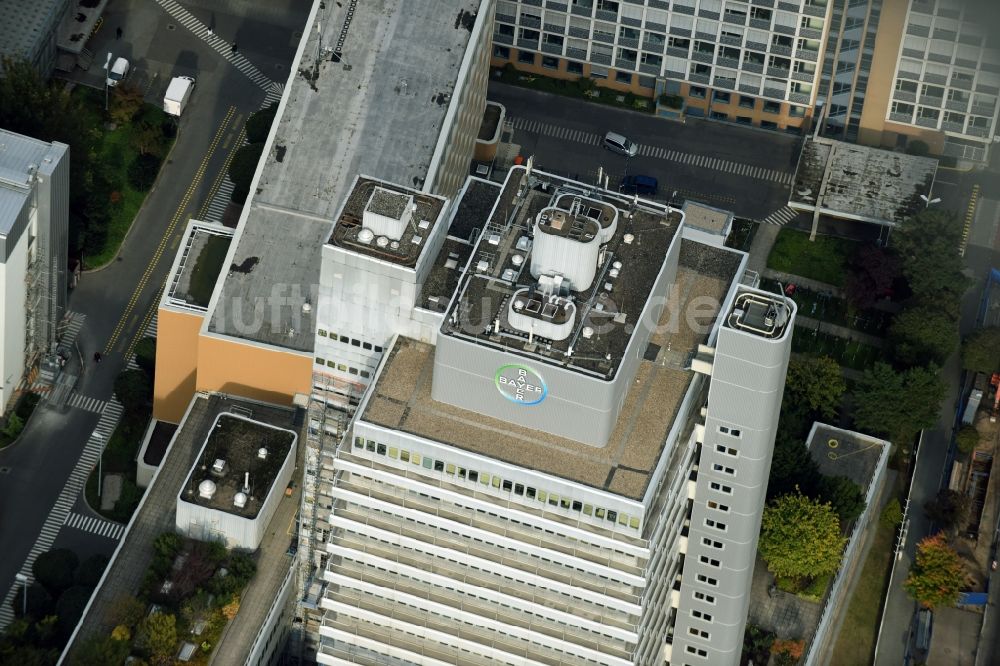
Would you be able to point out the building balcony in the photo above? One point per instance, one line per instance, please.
(706, 36)
(735, 19)
(557, 6)
(988, 89)
(730, 41)
(763, 24)
(929, 100)
(814, 10)
(805, 77)
(952, 127)
(807, 54)
(774, 93)
(799, 98)
(659, 4)
(731, 63)
(778, 72)
(904, 96)
(600, 58)
(939, 57)
(789, 6)
(762, 3)
(983, 110)
(957, 105)
(755, 67)
(756, 46)
(913, 53)
(683, 9)
(946, 35)
(503, 39)
(631, 22)
(725, 83)
(778, 49)
(505, 18)
(709, 14)
(810, 33)
(605, 15)
(553, 28)
(927, 122)
(918, 30)
(679, 32)
(653, 47)
(552, 49)
(677, 76)
(625, 64)
(576, 54)
(581, 11)
(656, 27)
(527, 44)
(978, 131)
(628, 42)
(674, 51)
(530, 22)
(533, 3)
(582, 33)
(603, 37)
(698, 78)
(901, 117)
(784, 30)
(746, 88)
(647, 68)
(702, 56)
(971, 64)
(939, 79)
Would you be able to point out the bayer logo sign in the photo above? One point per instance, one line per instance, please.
(520, 384)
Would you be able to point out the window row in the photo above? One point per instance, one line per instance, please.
(349, 341)
(343, 367)
(496, 482)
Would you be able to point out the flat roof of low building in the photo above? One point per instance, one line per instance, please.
(706, 218)
(20, 157)
(639, 236)
(840, 452)
(853, 182)
(126, 573)
(198, 265)
(377, 108)
(239, 462)
(401, 396)
(24, 25)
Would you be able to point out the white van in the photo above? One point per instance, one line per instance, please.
(617, 143)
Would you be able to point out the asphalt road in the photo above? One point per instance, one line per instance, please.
(117, 299)
(563, 134)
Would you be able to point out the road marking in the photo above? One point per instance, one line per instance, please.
(178, 215)
(970, 216)
(94, 525)
(781, 217)
(222, 183)
(67, 497)
(141, 331)
(87, 403)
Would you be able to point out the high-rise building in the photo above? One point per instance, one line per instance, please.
(935, 77)
(755, 63)
(561, 455)
(34, 218)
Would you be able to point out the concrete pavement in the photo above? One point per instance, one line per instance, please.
(118, 300)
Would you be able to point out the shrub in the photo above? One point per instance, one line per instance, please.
(844, 496)
(70, 607)
(134, 390)
(816, 588)
(145, 355)
(892, 514)
(142, 171)
(126, 611)
(54, 569)
(15, 424)
(90, 570)
(156, 635)
(259, 124)
(39, 601)
(99, 649)
(671, 101)
(966, 439)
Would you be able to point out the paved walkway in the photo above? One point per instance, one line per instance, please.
(839, 331)
(761, 246)
(798, 280)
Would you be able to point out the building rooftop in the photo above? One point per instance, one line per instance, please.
(713, 220)
(475, 203)
(386, 221)
(840, 452)
(860, 182)
(20, 157)
(239, 461)
(376, 108)
(24, 25)
(156, 514)
(502, 289)
(401, 396)
(198, 265)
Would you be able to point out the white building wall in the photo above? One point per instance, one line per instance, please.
(13, 316)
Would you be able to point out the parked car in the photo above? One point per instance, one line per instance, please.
(118, 72)
(617, 143)
(639, 184)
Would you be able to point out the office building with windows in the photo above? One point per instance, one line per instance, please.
(936, 78)
(562, 454)
(750, 62)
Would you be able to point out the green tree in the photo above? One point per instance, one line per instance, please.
(981, 351)
(134, 390)
(800, 537)
(937, 576)
(892, 514)
(921, 334)
(242, 168)
(156, 636)
(843, 495)
(126, 102)
(873, 273)
(259, 124)
(143, 170)
(54, 569)
(69, 608)
(147, 137)
(89, 573)
(39, 601)
(14, 426)
(949, 509)
(966, 439)
(126, 610)
(98, 649)
(927, 245)
(898, 404)
(792, 467)
(816, 383)
(145, 355)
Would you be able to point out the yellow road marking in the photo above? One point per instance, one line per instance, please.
(970, 215)
(178, 215)
(141, 331)
(223, 174)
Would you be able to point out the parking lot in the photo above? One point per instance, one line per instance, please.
(745, 170)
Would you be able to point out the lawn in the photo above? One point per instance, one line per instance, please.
(847, 353)
(824, 259)
(581, 88)
(116, 151)
(856, 640)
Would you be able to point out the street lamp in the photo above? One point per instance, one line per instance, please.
(23, 580)
(107, 65)
(928, 202)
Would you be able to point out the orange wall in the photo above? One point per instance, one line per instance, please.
(176, 363)
(227, 365)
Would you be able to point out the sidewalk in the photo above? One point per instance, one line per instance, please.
(839, 331)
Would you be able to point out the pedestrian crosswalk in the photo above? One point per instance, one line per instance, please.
(274, 93)
(660, 152)
(781, 217)
(70, 327)
(67, 498)
(150, 331)
(216, 208)
(223, 47)
(88, 403)
(94, 525)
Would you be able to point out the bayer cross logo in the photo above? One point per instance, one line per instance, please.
(520, 384)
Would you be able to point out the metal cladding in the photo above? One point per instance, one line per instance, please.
(547, 315)
(567, 243)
